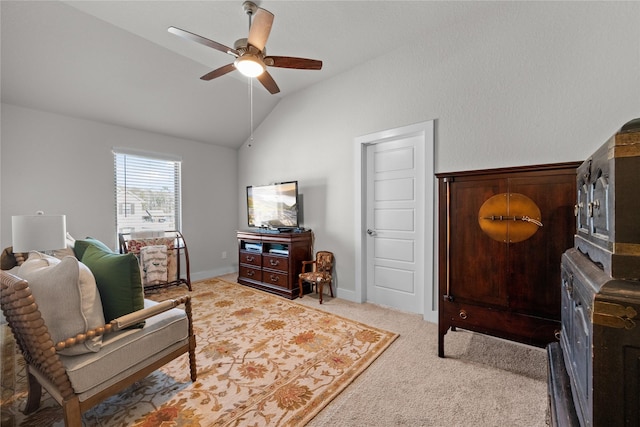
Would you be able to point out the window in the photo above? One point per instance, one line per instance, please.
(147, 191)
(126, 209)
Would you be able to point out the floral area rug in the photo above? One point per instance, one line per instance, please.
(262, 361)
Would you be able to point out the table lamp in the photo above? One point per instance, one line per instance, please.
(38, 232)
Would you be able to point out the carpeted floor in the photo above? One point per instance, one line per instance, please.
(482, 381)
(262, 360)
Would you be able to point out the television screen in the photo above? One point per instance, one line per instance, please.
(273, 206)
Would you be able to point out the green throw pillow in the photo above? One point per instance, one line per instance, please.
(118, 280)
(81, 245)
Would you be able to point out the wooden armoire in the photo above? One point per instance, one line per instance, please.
(504, 287)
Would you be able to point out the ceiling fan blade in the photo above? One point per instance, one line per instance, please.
(268, 82)
(291, 62)
(260, 28)
(219, 72)
(199, 39)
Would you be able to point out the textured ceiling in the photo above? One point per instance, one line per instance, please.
(115, 62)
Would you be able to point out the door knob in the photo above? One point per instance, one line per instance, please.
(371, 232)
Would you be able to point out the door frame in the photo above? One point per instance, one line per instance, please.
(426, 130)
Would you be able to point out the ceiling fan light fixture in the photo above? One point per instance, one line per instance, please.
(250, 65)
(250, 53)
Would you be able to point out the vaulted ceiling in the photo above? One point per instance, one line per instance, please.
(115, 62)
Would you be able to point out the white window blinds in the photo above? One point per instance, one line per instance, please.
(147, 191)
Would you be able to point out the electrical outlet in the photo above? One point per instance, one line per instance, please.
(224, 255)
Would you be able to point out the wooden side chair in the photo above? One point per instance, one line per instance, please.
(320, 274)
(78, 382)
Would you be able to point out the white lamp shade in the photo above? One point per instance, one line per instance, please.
(38, 232)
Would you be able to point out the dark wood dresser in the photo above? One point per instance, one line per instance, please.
(272, 261)
(594, 372)
(500, 287)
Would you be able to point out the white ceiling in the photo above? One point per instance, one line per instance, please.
(115, 62)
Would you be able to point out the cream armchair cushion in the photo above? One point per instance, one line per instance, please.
(72, 299)
(122, 351)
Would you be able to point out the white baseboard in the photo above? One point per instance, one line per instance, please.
(347, 295)
(428, 316)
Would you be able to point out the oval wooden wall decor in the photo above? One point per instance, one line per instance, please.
(509, 217)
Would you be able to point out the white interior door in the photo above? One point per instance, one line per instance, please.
(395, 202)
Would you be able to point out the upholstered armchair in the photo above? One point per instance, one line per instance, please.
(79, 372)
(320, 273)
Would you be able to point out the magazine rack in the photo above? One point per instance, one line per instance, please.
(176, 247)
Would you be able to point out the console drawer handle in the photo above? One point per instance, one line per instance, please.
(463, 314)
(250, 258)
(274, 261)
(250, 273)
(274, 278)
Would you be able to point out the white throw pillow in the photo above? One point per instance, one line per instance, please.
(67, 296)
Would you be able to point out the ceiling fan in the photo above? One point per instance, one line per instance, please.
(250, 53)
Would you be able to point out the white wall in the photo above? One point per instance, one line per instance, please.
(63, 165)
(530, 83)
(527, 83)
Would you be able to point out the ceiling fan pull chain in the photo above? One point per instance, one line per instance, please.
(250, 112)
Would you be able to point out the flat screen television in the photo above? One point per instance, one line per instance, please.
(273, 206)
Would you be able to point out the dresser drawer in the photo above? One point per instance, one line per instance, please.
(250, 273)
(273, 262)
(251, 258)
(276, 279)
(500, 323)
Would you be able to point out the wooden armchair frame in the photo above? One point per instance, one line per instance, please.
(44, 366)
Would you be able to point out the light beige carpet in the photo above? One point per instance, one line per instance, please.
(482, 381)
(262, 360)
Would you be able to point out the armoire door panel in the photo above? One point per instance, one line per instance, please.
(478, 269)
(535, 260)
